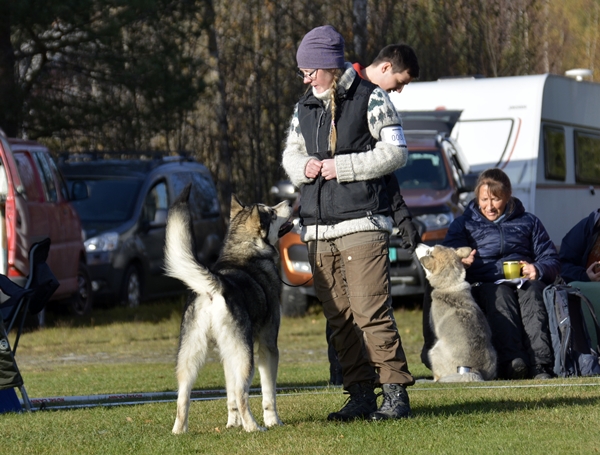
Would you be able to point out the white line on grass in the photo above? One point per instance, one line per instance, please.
(122, 399)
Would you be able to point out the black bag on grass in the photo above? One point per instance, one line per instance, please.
(574, 354)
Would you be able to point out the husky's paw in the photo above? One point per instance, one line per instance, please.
(179, 428)
(272, 420)
(234, 420)
(253, 426)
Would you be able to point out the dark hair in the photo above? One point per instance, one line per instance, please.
(401, 56)
(497, 182)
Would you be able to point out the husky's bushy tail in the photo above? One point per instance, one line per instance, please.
(180, 261)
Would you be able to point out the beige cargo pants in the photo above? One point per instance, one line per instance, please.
(351, 276)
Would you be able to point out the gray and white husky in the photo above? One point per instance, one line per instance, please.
(235, 304)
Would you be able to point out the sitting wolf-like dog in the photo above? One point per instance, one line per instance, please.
(462, 332)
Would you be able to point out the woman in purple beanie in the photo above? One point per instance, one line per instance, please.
(345, 136)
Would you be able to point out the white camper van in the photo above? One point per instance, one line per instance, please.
(542, 130)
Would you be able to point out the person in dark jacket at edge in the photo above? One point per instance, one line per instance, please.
(580, 263)
(497, 227)
(394, 68)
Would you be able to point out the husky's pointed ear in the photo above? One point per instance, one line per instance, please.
(256, 218)
(463, 251)
(254, 223)
(427, 262)
(236, 206)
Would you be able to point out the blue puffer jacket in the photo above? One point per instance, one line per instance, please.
(518, 236)
(576, 246)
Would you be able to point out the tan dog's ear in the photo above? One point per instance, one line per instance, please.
(257, 225)
(428, 262)
(463, 251)
(236, 206)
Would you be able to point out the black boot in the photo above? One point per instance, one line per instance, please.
(514, 369)
(542, 372)
(361, 403)
(395, 403)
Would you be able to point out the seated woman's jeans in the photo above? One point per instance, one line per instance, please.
(518, 320)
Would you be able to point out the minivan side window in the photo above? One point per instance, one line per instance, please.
(587, 158)
(64, 190)
(203, 197)
(25, 167)
(156, 204)
(3, 182)
(555, 155)
(47, 177)
(3, 175)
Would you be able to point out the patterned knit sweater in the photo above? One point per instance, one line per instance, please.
(382, 160)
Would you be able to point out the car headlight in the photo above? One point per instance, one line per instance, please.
(434, 221)
(104, 242)
(301, 266)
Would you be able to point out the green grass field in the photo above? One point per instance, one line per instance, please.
(121, 351)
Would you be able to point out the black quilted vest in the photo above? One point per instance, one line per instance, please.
(331, 201)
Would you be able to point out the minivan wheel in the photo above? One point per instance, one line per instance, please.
(293, 302)
(82, 300)
(131, 294)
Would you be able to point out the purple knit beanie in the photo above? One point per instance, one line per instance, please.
(321, 48)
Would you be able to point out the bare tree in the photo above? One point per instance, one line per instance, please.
(217, 78)
(9, 106)
(359, 29)
(102, 74)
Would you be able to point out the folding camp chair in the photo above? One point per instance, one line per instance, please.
(30, 299)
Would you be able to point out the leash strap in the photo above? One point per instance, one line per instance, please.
(317, 210)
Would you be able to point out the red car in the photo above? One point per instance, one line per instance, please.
(35, 204)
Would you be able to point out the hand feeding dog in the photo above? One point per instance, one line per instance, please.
(463, 350)
(236, 305)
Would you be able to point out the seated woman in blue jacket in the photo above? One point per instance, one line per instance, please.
(497, 227)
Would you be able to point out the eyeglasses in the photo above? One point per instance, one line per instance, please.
(312, 75)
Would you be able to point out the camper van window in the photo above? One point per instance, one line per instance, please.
(471, 134)
(587, 158)
(555, 154)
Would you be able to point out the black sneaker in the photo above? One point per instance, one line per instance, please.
(516, 369)
(542, 372)
(361, 403)
(395, 403)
